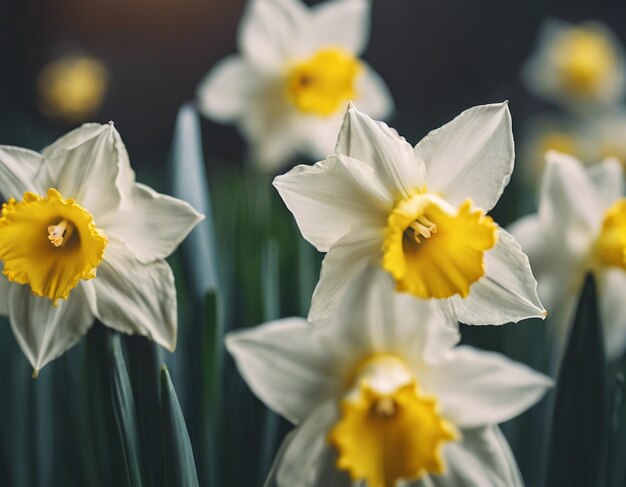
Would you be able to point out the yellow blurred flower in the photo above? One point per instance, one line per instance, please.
(72, 88)
(579, 66)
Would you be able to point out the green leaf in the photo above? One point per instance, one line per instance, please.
(144, 372)
(616, 473)
(580, 421)
(179, 462)
(124, 409)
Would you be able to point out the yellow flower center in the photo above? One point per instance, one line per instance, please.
(434, 250)
(389, 431)
(584, 59)
(323, 83)
(49, 243)
(610, 248)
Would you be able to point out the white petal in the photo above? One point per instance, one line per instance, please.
(372, 94)
(568, 202)
(559, 275)
(18, 168)
(476, 388)
(330, 197)
(136, 298)
(345, 260)
(611, 286)
(418, 330)
(73, 139)
(152, 224)
(85, 165)
(471, 156)
(275, 146)
(318, 134)
(362, 323)
(530, 235)
(342, 23)
(270, 30)
(286, 364)
(381, 147)
(507, 292)
(481, 458)
(224, 93)
(304, 457)
(608, 179)
(44, 331)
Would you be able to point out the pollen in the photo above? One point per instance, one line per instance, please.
(434, 250)
(49, 243)
(322, 84)
(610, 247)
(387, 434)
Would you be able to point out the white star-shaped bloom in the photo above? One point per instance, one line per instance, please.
(580, 228)
(380, 393)
(297, 70)
(80, 240)
(419, 214)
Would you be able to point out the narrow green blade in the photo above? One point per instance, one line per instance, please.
(580, 421)
(124, 409)
(179, 462)
(143, 365)
(616, 472)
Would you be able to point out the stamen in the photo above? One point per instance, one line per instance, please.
(385, 407)
(424, 227)
(60, 233)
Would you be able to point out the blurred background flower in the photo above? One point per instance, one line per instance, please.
(580, 66)
(298, 69)
(72, 88)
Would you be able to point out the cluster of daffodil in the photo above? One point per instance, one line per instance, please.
(579, 228)
(582, 69)
(373, 379)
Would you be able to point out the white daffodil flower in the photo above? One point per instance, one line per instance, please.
(419, 213)
(580, 228)
(73, 212)
(298, 69)
(579, 66)
(380, 394)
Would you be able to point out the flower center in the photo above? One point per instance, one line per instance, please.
(585, 59)
(60, 233)
(610, 248)
(389, 430)
(434, 250)
(49, 243)
(323, 83)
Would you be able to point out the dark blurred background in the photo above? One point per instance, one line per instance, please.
(437, 57)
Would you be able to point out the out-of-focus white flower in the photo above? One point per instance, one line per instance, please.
(579, 66)
(380, 393)
(298, 69)
(590, 140)
(550, 132)
(580, 228)
(607, 133)
(72, 88)
(73, 211)
(419, 213)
